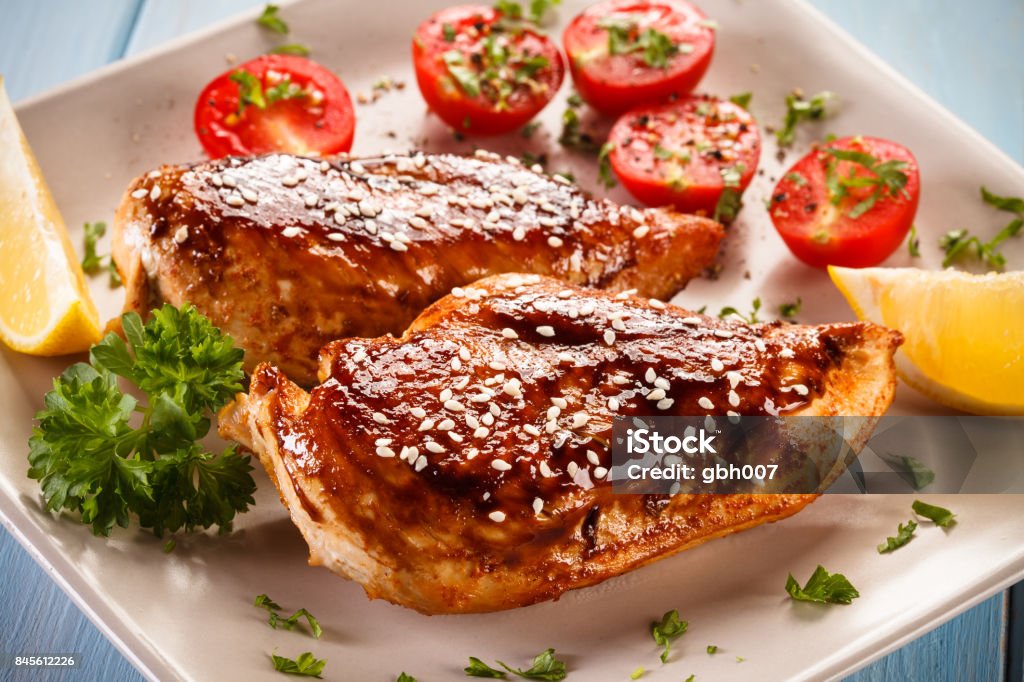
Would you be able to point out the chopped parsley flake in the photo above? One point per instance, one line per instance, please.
(904, 533)
(306, 665)
(667, 630)
(799, 109)
(823, 588)
(940, 516)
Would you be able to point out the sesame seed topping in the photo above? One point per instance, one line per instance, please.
(380, 418)
(509, 333)
(446, 394)
(723, 333)
(734, 378)
(717, 365)
(181, 234)
(618, 325)
(593, 458)
(565, 357)
(434, 446)
(531, 429)
(553, 412)
(139, 193)
(487, 418)
(418, 412)
(665, 403)
(546, 330)
(600, 473)
(545, 469)
(800, 389)
(382, 441)
(472, 453)
(290, 232)
(691, 320)
(655, 303)
(311, 200)
(154, 193)
(641, 232)
(613, 404)
(421, 462)
(500, 465)
(650, 376)
(446, 425)
(454, 406)
(706, 403)
(426, 425)
(538, 505)
(464, 353)
(385, 451)
(249, 195)
(656, 394)
(580, 419)
(519, 234)
(455, 436)
(512, 387)
(662, 382)
(496, 516)
(336, 237)
(609, 337)
(456, 364)
(560, 402)
(480, 432)
(787, 353)
(234, 200)
(555, 242)
(572, 468)
(759, 345)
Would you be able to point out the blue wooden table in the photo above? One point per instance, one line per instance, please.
(969, 56)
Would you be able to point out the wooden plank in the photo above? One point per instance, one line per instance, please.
(46, 43)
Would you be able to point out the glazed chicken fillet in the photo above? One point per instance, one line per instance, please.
(463, 467)
(287, 253)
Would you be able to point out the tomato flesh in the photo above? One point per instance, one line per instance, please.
(614, 83)
(684, 153)
(305, 109)
(822, 229)
(480, 74)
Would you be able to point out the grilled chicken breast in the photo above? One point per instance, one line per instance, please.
(463, 467)
(287, 253)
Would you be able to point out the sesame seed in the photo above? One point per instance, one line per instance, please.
(734, 378)
(759, 345)
(426, 425)
(623, 295)
(472, 453)
(572, 468)
(555, 242)
(800, 389)
(656, 394)
(324, 166)
(384, 451)
(665, 403)
(487, 418)
(446, 425)
(434, 446)
(181, 234)
(538, 505)
(495, 410)
(229, 181)
(565, 357)
(618, 325)
(421, 463)
(662, 382)
(496, 366)
(500, 465)
(717, 365)
(513, 387)
(154, 193)
(519, 234)
(593, 458)
(455, 436)
(734, 399)
(380, 418)
(786, 353)
(249, 195)
(456, 364)
(691, 320)
(359, 356)
(587, 309)
(609, 337)
(706, 403)
(545, 469)
(368, 209)
(139, 193)
(546, 330)
(580, 420)
(613, 404)
(600, 473)
(336, 237)
(551, 426)
(290, 232)
(311, 200)
(641, 232)
(560, 402)
(480, 432)
(464, 353)
(234, 200)
(496, 516)
(655, 303)
(509, 333)
(446, 394)
(454, 406)
(531, 429)
(650, 376)
(287, 181)
(382, 441)
(723, 333)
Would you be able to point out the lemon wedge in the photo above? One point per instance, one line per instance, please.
(45, 308)
(964, 333)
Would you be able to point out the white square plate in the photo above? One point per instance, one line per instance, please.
(189, 614)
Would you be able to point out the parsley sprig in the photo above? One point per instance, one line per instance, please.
(92, 261)
(667, 630)
(886, 177)
(252, 93)
(276, 620)
(904, 534)
(271, 20)
(534, 12)
(545, 667)
(799, 109)
(731, 200)
(940, 516)
(823, 587)
(750, 318)
(306, 664)
(958, 244)
(655, 48)
(495, 71)
(89, 456)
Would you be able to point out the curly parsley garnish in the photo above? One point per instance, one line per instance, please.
(89, 456)
(940, 516)
(306, 664)
(799, 109)
(667, 630)
(904, 534)
(545, 667)
(960, 243)
(823, 588)
(276, 620)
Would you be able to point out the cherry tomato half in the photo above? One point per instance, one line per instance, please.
(629, 53)
(483, 73)
(685, 153)
(849, 202)
(280, 103)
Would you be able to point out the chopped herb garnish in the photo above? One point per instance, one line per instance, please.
(799, 109)
(740, 659)
(604, 165)
(959, 243)
(731, 200)
(534, 13)
(796, 179)
(449, 32)
(751, 318)
(940, 516)
(910, 469)
(91, 261)
(529, 129)
(275, 619)
(691, 678)
(463, 75)
(250, 90)
(89, 456)
(712, 649)
(169, 546)
(306, 664)
(402, 677)
(573, 136)
(1008, 204)
(904, 533)
(742, 99)
(637, 673)
(789, 310)
(625, 37)
(545, 667)
(667, 630)
(886, 177)
(568, 175)
(823, 588)
(297, 49)
(914, 243)
(271, 21)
